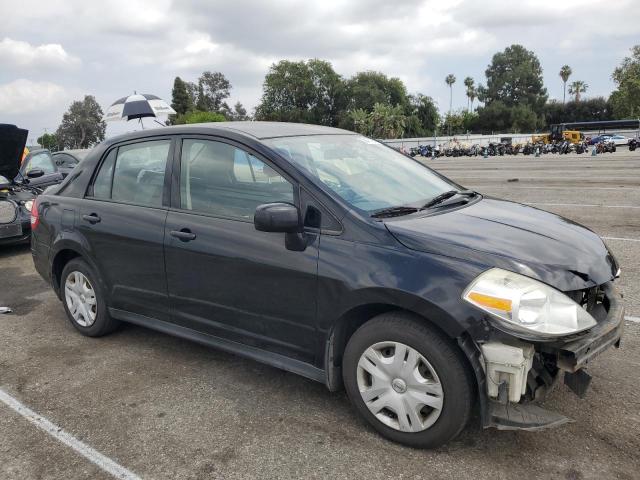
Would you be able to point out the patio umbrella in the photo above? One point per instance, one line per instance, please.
(137, 106)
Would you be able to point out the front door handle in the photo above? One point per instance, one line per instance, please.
(92, 218)
(184, 234)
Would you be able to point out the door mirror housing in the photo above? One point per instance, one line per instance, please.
(35, 173)
(277, 217)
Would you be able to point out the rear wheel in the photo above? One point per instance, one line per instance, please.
(408, 380)
(84, 301)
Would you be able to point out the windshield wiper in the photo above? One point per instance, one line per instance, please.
(438, 199)
(394, 211)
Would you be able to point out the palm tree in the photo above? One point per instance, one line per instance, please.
(470, 84)
(565, 73)
(576, 88)
(450, 80)
(472, 94)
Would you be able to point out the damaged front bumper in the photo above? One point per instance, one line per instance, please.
(513, 375)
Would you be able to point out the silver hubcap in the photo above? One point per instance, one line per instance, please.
(81, 299)
(399, 386)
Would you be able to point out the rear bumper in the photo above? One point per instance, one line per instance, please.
(40, 255)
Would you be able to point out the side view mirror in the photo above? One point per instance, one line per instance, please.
(277, 217)
(35, 173)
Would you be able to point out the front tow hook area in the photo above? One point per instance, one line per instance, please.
(578, 382)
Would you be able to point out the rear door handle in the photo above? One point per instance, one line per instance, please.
(92, 218)
(184, 234)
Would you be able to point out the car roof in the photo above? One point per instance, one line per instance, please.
(257, 130)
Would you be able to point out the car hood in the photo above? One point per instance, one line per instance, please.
(499, 233)
(12, 143)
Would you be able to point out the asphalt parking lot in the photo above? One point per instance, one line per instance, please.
(164, 408)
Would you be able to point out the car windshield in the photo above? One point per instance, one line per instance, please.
(365, 173)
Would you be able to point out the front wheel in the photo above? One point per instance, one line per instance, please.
(408, 380)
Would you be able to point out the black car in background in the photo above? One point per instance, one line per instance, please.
(67, 160)
(17, 190)
(41, 160)
(333, 256)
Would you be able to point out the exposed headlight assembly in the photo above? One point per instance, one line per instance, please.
(526, 305)
(28, 204)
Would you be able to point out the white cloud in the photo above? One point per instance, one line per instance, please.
(23, 54)
(118, 46)
(24, 96)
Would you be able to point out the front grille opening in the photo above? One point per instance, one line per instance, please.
(593, 300)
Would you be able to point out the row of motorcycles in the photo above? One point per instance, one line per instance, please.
(500, 149)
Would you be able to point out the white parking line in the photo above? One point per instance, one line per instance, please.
(581, 205)
(630, 318)
(622, 239)
(105, 463)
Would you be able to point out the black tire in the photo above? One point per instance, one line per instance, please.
(103, 323)
(444, 356)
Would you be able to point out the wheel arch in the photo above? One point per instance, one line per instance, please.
(348, 322)
(65, 251)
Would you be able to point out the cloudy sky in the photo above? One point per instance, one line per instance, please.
(53, 52)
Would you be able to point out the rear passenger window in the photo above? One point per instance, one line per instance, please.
(135, 174)
(220, 179)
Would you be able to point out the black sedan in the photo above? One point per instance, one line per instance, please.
(333, 256)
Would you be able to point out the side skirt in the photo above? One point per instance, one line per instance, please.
(257, 354)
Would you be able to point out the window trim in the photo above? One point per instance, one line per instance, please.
(175, 205)
(166, 188)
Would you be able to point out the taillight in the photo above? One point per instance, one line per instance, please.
(35, 216)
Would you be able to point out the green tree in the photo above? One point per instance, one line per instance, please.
(514, 79)
(471, 91)
(366, 89)
(565, 73)
(384, 121)
(387, 121)
(82, 125)
(310, 92)
(48, 141)
(422, 116)
(213, 90)
(239, 113)
(361, 121)
(591, 109)
(625, 100)
(576, 88)
(459, 122)
(181, 101)
(198, 116)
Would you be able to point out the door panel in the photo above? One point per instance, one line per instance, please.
(123, 219)
(236, 282)
(224, 277)
(127, 245)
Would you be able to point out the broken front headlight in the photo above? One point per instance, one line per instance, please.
(527, 305)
